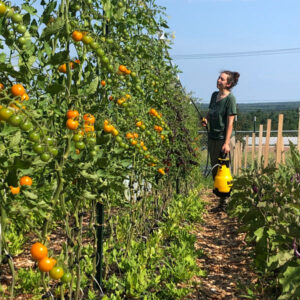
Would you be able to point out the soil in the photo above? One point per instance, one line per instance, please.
(226, 259)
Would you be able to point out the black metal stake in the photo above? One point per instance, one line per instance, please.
(100, 227)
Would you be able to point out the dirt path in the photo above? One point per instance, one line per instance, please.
(225, 259)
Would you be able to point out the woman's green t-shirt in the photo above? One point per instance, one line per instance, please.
(218, 114)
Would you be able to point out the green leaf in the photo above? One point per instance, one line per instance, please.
(48, 10)
(89, 195)
(59, 58)
(86, 175)
(30, 195)
(15, 140)
(55, 88)
(280, 259)
(31, 10)
(259, 233)
(91, 88)
(53, 28)
(2, 57)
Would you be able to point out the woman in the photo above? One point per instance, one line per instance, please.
(220, 117)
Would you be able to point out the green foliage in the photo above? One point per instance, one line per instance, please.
(266, 201)
(72, 177)
(153, 265)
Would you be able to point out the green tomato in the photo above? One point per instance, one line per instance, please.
(100, 52)
(34, 136)
(80, 145)
(21, 28)
(38, 148)
(93, 153)
(53, 151)
(15, 120)
(87, 39)
(105, 60)
(77, 137)
(5, 113)
(9, 12)
(56, 273)
(91, 141)
(94, 45)
(66, 278)
(119, 139)
(110, 41)
(17, 18)
(45, 157)
(49, 140)
(22, 40)
(26, 125)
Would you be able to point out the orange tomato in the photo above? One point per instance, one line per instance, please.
(115, 132)
(1, 86)
(133, 142)
(72, 124)
(106, 122)
(17, 90)
(135, 135)
(77, 61)
(14, 190)
(161, 171)
(25, 97)
(122, 68)
(89, 118)
(111, 98)
(62, 68)
(88, 128)
(46, 264)
(139, 123)
(77, 36)
(108, 128)
(103, 83)
(129, 135)
(26, 180)
(72, 114)
(38, 251)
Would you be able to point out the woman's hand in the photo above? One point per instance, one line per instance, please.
(226, 148)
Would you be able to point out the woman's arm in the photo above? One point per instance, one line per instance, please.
(225, 147)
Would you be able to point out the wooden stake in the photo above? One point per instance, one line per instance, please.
(261, 128)
(246, 151)
(253, 149)
(279, 140)
(267, 145)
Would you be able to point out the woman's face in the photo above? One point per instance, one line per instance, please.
(222, 83)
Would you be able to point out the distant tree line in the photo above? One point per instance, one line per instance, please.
(245, 120)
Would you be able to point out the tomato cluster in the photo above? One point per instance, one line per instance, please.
(39, 252)
(16, 30)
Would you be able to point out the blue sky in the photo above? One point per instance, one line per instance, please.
(221, 26)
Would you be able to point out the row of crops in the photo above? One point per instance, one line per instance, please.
(266, 203)
(97, 153)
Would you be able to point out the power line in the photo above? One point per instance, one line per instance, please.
(236, 54)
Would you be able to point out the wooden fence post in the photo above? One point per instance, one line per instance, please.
(253, 149)
(279, 140)
(246, 151)
(267, 145)
(240, 156)
(261, 128)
